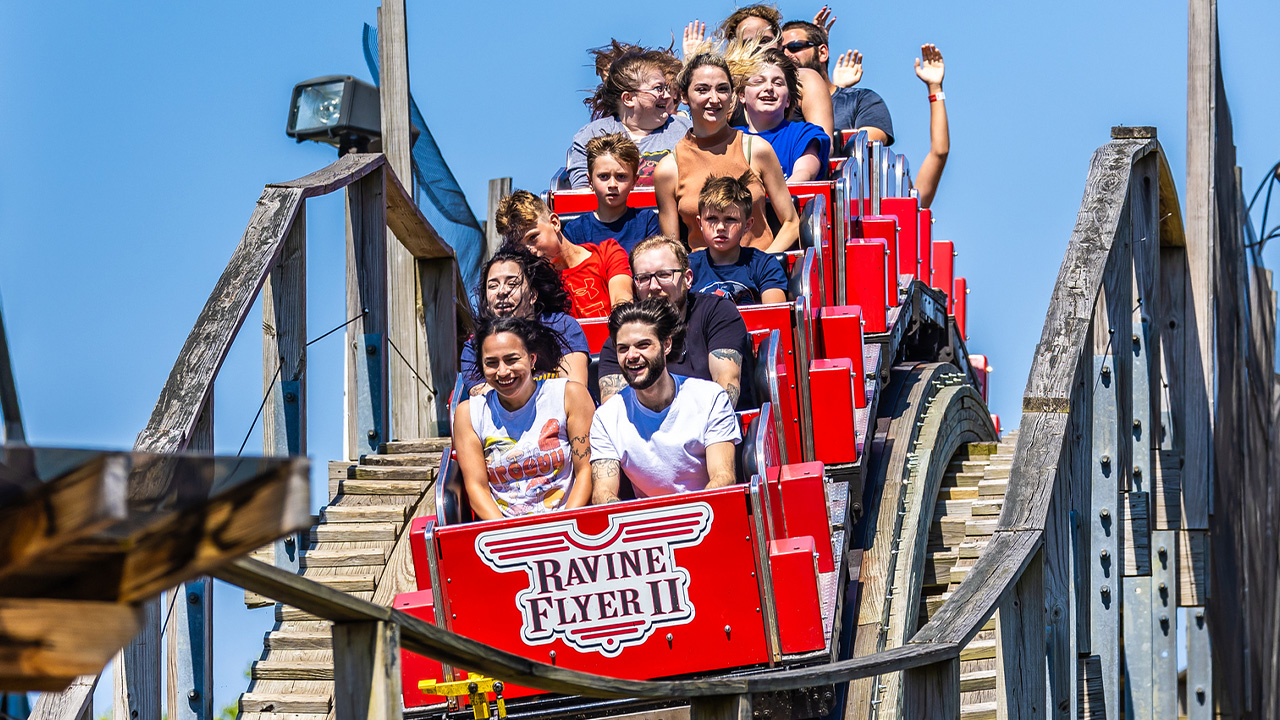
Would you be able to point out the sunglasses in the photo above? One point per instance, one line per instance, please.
(796, 46)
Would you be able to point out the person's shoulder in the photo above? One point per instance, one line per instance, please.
(615, 407)
(601, 126)
(698, 387)
(698, 258)
(710, 303)
(678, 124)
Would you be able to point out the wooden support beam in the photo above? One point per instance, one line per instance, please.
(137, 670)
(11, 430)
(46, 644)
(498, 189)
(1021, 677)
(189, 638)
(73, 703)
(439, 285)
(366, 655)
(932, 691)
(367, 417)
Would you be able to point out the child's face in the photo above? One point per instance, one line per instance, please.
(611, 181)
(724, 228)
(543, 239)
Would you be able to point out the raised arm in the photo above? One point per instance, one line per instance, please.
(579, 410)
(720, 465)
(665, 178)
(475, 474)
(930, 72)
(695, 34)
(816, 101)
(764, 161)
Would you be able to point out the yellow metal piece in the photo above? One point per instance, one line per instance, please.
(475, 688)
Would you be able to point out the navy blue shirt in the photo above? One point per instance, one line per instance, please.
(572, 340)
(634, 226)
(857, 107)
(744, 281)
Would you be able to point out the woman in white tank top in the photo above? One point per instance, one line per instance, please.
(523, 448)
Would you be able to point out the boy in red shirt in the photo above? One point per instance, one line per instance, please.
(597, 276)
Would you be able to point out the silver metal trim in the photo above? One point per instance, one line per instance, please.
(839, 229)
(437, 595)
(876, 169)
(442, 479)
(764, 573)
(802, 378)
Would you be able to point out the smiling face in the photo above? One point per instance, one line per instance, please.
(507, 291)
(508, 367)
(543, 239)
(611, 181)
(766, 94)
(649, 106)
(754, 27)
(641, 356)
(710, 95)
(813, 57)
(723, 229)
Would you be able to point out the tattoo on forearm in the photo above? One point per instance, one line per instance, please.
(734, 392)
(580, 446)
(726, 354)
(611, 385)
(605, 475)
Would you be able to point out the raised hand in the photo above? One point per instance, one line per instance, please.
(848, 69)
(695, 34)
(931, 70)
(824, 18)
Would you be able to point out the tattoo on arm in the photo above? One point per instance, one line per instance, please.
(580, 446)
(726, 354)
(611, 385)
(605, 475)
(734, 392)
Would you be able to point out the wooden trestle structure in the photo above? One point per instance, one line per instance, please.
(1042, 576)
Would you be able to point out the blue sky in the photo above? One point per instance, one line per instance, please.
(139, 135)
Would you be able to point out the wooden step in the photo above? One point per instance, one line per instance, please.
(985, 508)
(996, 472)
(978, 650)
(980, 528)
(952, 508)
(356, 557)
(428, 460)
(381, 487)
(292, 670)
(366, 472)
(288, 613)
(297, 640)
(364, 514)
(970, 549)
(977, 449)
(968, 479)
(978, 711)
(353, 532)
(992, 488)
(958, 493)
(284, 703)
(346, 583)
(977, 680)
(424, 445)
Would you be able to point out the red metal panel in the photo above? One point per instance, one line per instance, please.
(840, 332)
(788, 398)
(884, 228)
(944, 259)
(995, 420)
(960, 305)
(833, 435)
(415, 667)
(601, 588)
(795, 588)
(580, 201)
(778, 316)
(866, 281)
(597, 331)
(418, 530)
(981, 368)
(906, 210)
(804, 508)
(924, 230)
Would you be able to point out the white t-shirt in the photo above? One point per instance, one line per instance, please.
(665, 452)
(526, 451)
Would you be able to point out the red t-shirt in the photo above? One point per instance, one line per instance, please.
(588, 281)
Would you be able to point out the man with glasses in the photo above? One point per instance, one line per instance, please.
(854, 108)
(714, 345)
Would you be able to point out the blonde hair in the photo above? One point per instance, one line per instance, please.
(661, 241)
(622, 148)
(768, 13)
(517, 213)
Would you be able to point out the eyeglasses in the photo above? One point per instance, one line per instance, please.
(664, 276)
(657, 90)
(796, 46)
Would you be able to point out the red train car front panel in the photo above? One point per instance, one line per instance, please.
(651, 588)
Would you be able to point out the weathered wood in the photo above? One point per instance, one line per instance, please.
(498, 189)
(263, 703)
(1193, 567)
(1021, 680)
(1093, 701)
(932, 691)
(1136, 532)
(45, 644)
(284, 340)
(366, 656)
(69, 704)
(366, 361)
(439, 287)
(137, 670)
(421, 445)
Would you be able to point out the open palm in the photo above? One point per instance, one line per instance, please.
(930, 70)
(848, 69)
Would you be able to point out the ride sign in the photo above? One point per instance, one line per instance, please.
(603, 592)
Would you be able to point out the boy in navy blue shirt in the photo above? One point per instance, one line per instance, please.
(612, 163)
(745, 275)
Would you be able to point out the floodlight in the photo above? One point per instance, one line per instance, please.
(335, 109)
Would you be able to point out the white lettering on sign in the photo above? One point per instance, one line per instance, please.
(604, 592)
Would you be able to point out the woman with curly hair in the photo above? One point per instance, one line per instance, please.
(636, 96)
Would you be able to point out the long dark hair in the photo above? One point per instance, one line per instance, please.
(655, 312)
(539, 340)
(549, 295)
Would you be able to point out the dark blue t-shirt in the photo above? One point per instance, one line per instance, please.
(634, 226)
(791, 139)
(571, 336)
(744, 281)
(857, 107)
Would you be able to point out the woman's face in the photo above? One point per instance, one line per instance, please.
(508, 366)
(766, 93)
(710, 95)
(754, 27)
(507, 291)
(651, 103)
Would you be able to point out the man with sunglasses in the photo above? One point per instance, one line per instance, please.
(714, 344)
(854, 108)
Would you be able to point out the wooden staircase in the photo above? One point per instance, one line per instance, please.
(969, 504)
(358, 546)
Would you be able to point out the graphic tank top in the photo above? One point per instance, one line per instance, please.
(721, 154)
(526, 451)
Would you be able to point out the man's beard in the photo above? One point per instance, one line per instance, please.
(644, 378)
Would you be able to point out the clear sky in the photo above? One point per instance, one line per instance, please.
(139, 135)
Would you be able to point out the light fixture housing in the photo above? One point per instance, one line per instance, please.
(335, 109)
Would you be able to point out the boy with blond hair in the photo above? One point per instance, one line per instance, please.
(596, 276)
(745, 275)
(612, 164)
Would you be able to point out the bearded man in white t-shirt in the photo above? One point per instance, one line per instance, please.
(668, 433)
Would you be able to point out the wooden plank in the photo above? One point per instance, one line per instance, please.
(1166, 491)
(380, 488)
(932, 691)
(366, 655)
(421, 460)
(364, 513)
(293, 670)
(364, 472)
(343, 558)
(69, 704)
(46, 643)
(259, 702)
(419, 445)
(1020, 636)
(353, 532)
(342, 172)
(298, 640)
(137, 669)
(1136, 532)
(366, 384)
(284, 339)
(1193, 567)
(498, 189)
(439, 285)
(1093, 699)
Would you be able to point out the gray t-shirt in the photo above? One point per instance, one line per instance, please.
(857, 107)
(653, 147)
